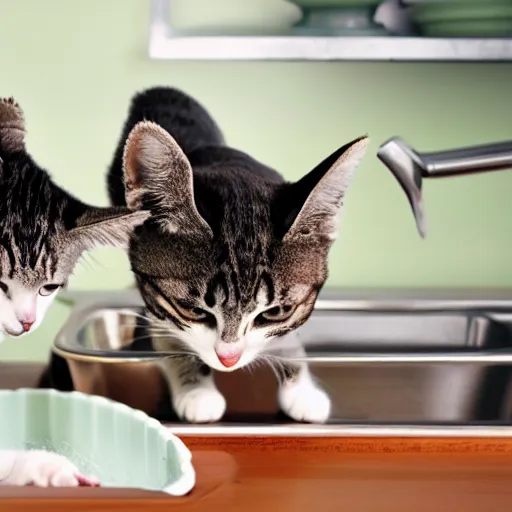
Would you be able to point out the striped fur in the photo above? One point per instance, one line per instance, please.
(233, 256)
(43, 229)
(43, 232)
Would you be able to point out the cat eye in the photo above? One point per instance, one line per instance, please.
(4, 287)
(48, 289)
(190, 312)
(275, 314)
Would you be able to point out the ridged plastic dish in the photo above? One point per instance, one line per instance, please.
(462, 18)
(121, 446)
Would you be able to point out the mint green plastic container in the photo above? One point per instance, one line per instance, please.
(121, 446)
(462, 18)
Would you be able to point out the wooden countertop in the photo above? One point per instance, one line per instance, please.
(313, 475)
(304, 475)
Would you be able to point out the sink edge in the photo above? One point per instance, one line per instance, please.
(304, 430)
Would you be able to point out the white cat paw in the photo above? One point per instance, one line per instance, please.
(45, 469)
(305, 402)
(200, 405)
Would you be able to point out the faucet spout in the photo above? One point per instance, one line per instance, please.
(410, 167)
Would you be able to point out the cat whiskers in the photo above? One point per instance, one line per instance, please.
(276, 359)
(153, 323)
(130, 312)
(90, 262)
(168, 353)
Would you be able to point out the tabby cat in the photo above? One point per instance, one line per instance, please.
(233, 256)
(43, 232)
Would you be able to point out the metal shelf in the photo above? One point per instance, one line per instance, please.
(331, 49)
(164, 45)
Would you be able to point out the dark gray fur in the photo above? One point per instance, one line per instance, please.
(43, 229)
(248, 206)
(219, 237)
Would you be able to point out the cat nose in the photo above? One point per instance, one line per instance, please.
(230, 359)
(27, 326)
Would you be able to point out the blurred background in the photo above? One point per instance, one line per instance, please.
(74, 65)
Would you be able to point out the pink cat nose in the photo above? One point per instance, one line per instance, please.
(27, 326)
(230, 359)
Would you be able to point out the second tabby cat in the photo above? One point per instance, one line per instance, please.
(43, 230)
(43, 233)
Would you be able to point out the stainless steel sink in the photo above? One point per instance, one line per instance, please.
(391, 363)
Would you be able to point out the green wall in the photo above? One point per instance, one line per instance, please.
(73, 66)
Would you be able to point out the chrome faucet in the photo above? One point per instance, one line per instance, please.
(410, 167)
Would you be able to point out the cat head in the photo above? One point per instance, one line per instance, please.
(43, 230)
(229, 261)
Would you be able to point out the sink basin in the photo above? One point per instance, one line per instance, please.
(390, 364)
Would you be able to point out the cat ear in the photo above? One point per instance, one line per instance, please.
(110, 227)
(158, 177)
(317, 198)
(12, 126)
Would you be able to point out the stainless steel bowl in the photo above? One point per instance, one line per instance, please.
(420, 360)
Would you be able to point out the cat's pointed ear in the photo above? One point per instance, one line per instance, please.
(12, 126)
(158, 177)
(317, 198)
(111, 227)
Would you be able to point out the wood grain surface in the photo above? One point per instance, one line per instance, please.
(259, 474)
(308, 474)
